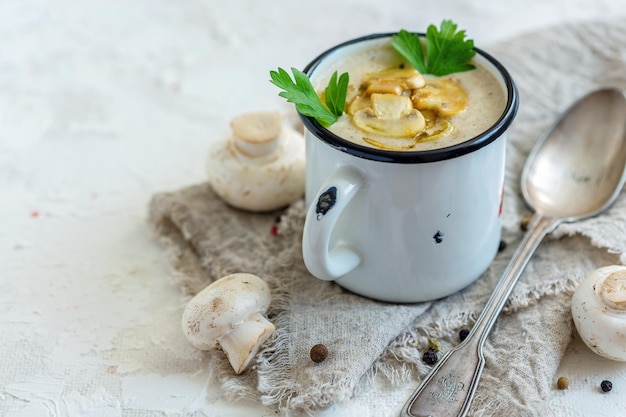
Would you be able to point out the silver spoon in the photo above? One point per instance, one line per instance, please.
(575, 171)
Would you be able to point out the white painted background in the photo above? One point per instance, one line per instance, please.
(102, 104)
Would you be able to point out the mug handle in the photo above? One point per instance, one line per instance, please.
(320, 259)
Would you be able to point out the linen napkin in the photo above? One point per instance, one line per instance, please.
(376, 347)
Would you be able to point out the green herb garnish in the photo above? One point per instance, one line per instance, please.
(335, 93)
(447, 51)
(300, 91)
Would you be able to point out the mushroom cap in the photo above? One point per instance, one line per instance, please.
(391, 116)
(222, 306)
(259, 182)
(599, 311)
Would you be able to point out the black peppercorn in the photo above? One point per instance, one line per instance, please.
(606, 386)
(318, 353)
(430, 357)
(502, 246)
(463, 334)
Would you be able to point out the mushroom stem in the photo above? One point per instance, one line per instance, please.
(613, 290)
(243, 342)
(257, 134)
(255, 149)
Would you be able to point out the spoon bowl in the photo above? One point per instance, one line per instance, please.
(575, 171)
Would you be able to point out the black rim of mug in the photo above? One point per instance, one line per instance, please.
(411, 157)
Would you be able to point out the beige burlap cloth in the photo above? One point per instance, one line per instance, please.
(377, 347)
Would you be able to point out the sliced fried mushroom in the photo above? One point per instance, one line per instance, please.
(404, 78)
(384, 87)
(436, 127)
(443, 95)
(399, 103)
(229, 314)
(393, 146)
(387, 106)
(359, 102)
(391, 116)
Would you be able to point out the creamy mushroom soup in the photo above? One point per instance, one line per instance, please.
(391, 106)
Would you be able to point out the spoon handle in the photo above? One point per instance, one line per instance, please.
(449, 388)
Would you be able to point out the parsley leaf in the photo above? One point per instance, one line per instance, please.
(300, 91)
(447, 50)
(410, 47)
(336, 92)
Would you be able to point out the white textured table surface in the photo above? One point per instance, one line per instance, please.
(102, 104)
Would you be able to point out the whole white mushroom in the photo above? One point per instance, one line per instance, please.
(260, 166)
(229, 314)
(599, 311)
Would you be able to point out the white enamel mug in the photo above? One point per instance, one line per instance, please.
(403, 226)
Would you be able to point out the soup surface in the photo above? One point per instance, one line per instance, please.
(483, 94)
